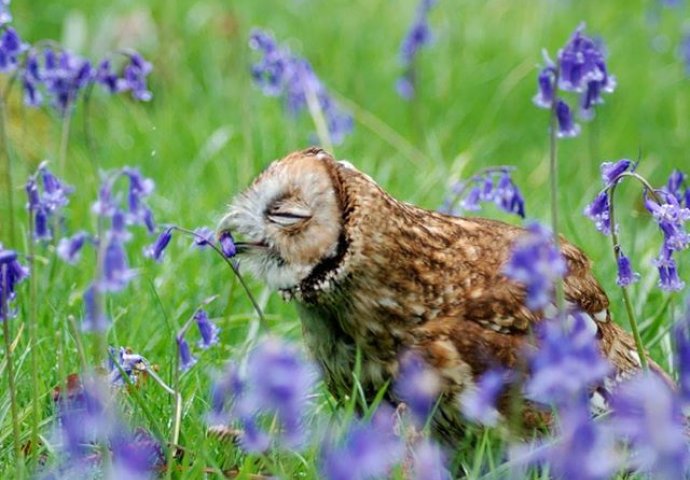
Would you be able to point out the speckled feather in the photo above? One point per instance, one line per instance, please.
(387, 277)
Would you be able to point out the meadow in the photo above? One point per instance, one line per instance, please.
(208, 130)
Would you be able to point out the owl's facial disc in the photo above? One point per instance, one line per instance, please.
(287, 222)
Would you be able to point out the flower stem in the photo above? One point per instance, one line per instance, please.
(617, 252)
(4, 314)
(317, 116)
(64, 140)
(233, 268)
(33, 333)
(553, 183)
(7, 173)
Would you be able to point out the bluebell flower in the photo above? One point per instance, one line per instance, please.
(537, 264)
(11, 46)
(280, 72)
(581, 448)
(11, 273)
(418, 386)
(546, 86)
(127, 362)
(209, 331)
(277, 382)
(204, 236)
(580, 67)
(134, 78)
(418, 36)
(668, 271)
(647, 413)
(186, 359)
(369, 449)
(566, 125)
(116, 272)
(626, 275)
(429, 462)
(156, 250)
(610, 171)
(69, 248)
(598, 212)
(45, 203)
(581, 62)
(493, 185)
(674, 186)
(227, 244)
(139, 188)
(567, 360)
(480, 403)
(65, 76)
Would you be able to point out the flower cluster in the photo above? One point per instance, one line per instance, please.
(493, 185)
(644, 430)
(537, 264)
(117, 212)
(276, 382)
(280, 72)
(368, 449)
(418, 36)
(88, 427)
(123, 361)
(670, 208)
(480, 404)
(44, 204)
(418, 386)
(50, 74)
(581, 68)
(209, 336)
(11, 273)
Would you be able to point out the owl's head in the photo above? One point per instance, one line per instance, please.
(289, 221)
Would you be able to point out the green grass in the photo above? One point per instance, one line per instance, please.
(209, 131)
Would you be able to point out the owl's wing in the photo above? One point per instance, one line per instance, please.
(487, 297)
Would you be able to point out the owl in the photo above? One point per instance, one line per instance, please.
(375, 277)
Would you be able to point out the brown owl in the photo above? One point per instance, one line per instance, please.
(370, 273)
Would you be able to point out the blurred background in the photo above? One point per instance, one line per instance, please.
(208, 130)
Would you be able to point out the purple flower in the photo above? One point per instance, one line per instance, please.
(418, 386)
(134, 78)
(429, 462)
(280, 72)
(187, 360)
(546, 92)
(581, 449)
(156, 250)
(69, 249)
(127, 363)
(610, 171)
(566, 126)
(208, 330)
(648, 414)
(668, 271)
(674, 185)
(227, 244)
(47, 202)
(581, 62)
(116, 272)
(567, 360)
(277, 382)
(203, 236)
(626, 276)
(480, 404)
(139, 188)
(65, 77)
(493, 185)
(537, 264)
(11, 273)
(11, 46)
(369, 449)
(598, 212)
